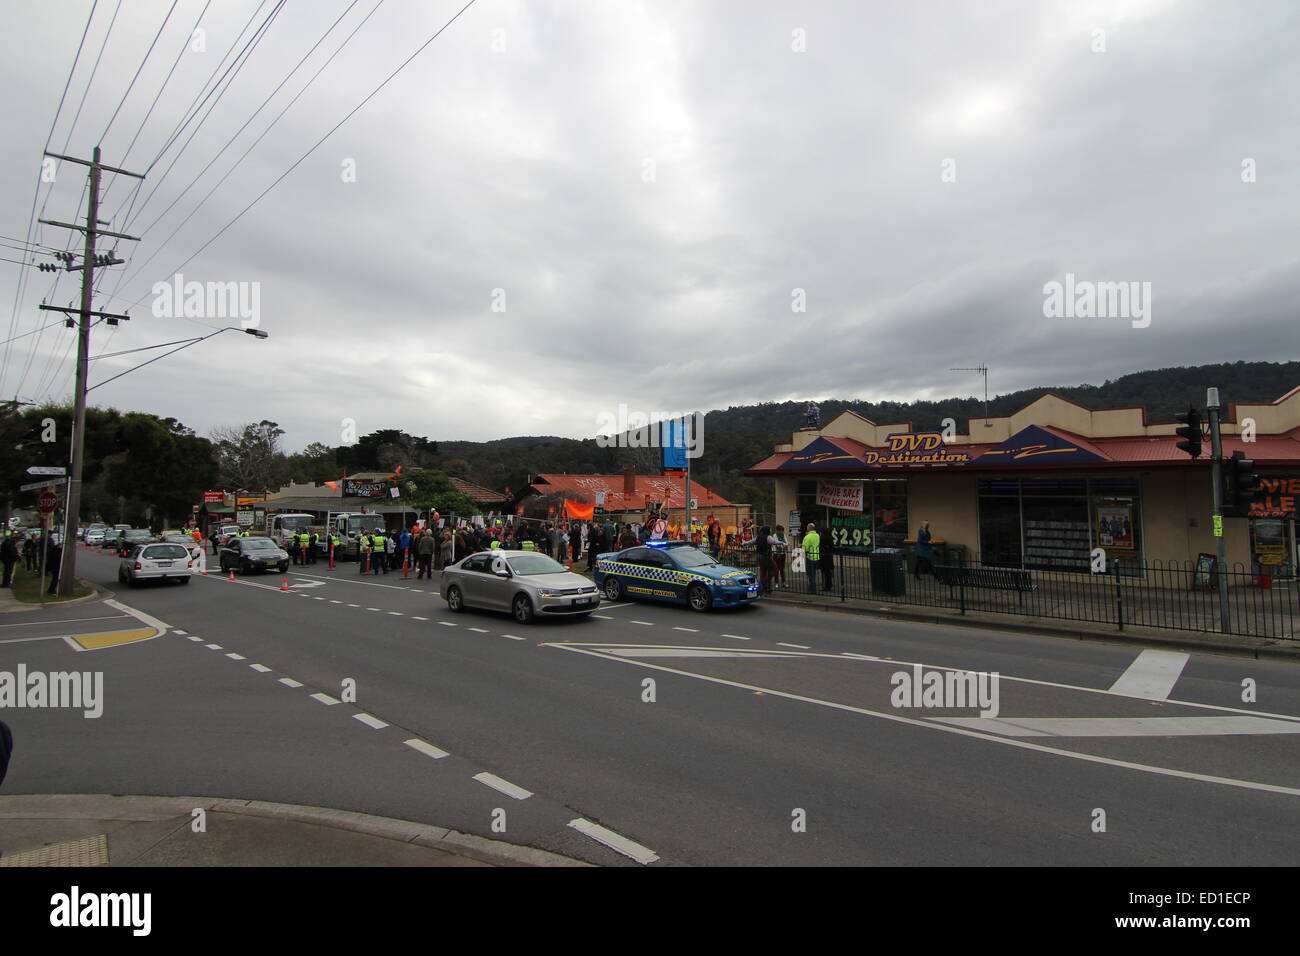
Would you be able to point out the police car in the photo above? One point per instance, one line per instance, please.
(674, 571)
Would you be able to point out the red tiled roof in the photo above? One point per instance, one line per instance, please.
(477, 492)
(668, 490)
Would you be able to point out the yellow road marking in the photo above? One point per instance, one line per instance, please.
(93, 642)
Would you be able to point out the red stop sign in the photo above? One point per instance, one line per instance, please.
(47, 502)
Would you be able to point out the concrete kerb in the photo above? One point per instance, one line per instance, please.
(9, 603)
(1255, 648)
(148, 808)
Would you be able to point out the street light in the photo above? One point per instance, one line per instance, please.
(181, 343)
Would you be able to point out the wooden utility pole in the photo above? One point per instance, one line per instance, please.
(68, 568)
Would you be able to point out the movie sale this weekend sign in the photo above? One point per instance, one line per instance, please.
(847, 496)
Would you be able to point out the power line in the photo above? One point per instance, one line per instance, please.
(104, 135)
(318, 143)
(36, 191)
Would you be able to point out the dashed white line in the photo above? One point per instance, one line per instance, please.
(369, 721)
(332, 601)
(693, 630)
(502, 786)
(374, 609)
(213, 647)
(354, 605)
(736, 637)
(317, 598)
(416, 618)
(802, 647)
(397, 613)
(176, 631)
(617, 843)
(447, 623)
(479, 630)
(643, 623)
(426, 748)
(191, 637)
(603, 617)
(237, 657)
(290, 682)
(612, 606)
(325, 699)
(260, 668)
(513, 637)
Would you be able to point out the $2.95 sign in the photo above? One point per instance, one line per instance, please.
(851, 533)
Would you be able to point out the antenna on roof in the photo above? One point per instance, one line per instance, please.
(983, 370)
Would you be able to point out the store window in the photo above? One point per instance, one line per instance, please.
(1054, 523)
(882, 523)
(1273, 548)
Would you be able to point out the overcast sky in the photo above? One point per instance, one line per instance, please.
(649, 184)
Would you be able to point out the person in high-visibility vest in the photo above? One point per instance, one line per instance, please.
(313, 540)
(304, 546)
(528, 545)
(378, 554)
(363, 553)
(812, 553)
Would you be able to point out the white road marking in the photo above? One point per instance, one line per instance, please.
(617, 843)
(332, 601)
(961, 731)
(290, 682)
(326, 699)
(369, 721)
(237, 657)
(645, 623)
(479, 630)
(504, 786)
(690, 652)
(1152, 675)
(369, 584)
(693, 630)
(316, 598)
(447, 623)
(214, 647)
(512, 637)
(418, 590)
(603, 617)
(610, 607)
(802, 647)
(260, 668)
(736, 637)
(426, 748)
(415, 618)
(1125, 726)
(354, 605)
(175, 631)
(374, 609)
(191, 637)
(397, 613)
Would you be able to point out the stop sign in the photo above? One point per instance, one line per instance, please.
(47, 502)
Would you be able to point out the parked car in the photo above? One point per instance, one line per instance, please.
(155, 561)
(674, 571)
(254, 554)
(176, 537)
(525, 583)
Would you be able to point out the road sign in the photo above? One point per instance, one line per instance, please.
(47, 470)
(47, 502)
(52, 483)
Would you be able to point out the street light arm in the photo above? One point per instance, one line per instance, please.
(187, 343)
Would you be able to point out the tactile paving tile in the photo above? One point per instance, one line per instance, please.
(88, 851)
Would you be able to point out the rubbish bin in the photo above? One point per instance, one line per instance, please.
(909, 554)
(888, 575)
(956, 555)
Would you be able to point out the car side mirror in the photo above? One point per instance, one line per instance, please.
(501, 572)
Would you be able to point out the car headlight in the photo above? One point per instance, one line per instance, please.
(548, 592)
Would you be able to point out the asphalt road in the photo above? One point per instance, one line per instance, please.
(771, 738)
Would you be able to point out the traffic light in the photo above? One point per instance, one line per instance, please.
(1191, 432)
(1243, 483)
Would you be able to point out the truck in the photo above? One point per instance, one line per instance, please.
(282, 526)
(347, 525)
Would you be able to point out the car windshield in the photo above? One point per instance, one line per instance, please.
(138, 534)
(692, 557)
(367, 523)
(258, 544)
(295, 522)
(535, 564)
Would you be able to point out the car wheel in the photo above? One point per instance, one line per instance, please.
(614, 589)
(699, 597)
(523, 609)
(121, 576)
(455, 602)
(131, 581)
(185, 580)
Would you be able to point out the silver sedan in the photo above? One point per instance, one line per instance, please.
(524, 583)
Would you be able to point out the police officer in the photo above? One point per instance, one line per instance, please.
(363, 552)
(378, 555)
(812, 553)
(528, 545)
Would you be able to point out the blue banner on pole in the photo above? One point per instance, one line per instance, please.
(673, 436)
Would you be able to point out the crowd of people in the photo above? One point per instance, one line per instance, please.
(27, 547)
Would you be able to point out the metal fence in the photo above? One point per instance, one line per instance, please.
(1161, 595)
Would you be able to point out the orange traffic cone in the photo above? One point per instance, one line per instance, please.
(232, 573)
(406, 570)
(284, 584)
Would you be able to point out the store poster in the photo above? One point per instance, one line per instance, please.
(1115, 527)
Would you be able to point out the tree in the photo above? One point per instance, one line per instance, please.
(166, 467)
(250, 456)
(428, 488)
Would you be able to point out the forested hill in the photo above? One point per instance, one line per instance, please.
(736, 438)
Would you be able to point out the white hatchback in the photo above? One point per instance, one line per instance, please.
(156, 561)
